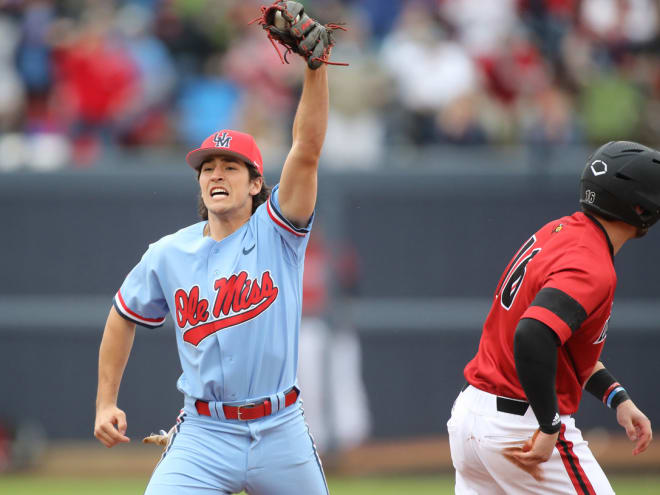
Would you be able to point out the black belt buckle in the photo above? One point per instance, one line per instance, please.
(512, 406)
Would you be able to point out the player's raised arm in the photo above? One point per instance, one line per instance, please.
(288, 25)
(113, 355)
(298, 184)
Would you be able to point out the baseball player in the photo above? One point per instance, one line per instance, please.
(511, 429)
(232, 283)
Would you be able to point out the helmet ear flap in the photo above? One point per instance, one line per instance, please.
(599, 201)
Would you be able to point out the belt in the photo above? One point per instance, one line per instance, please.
(504, 404)
(512, 406)
(252, 410)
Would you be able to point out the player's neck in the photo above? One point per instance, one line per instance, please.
(221, 226)
(618, 232)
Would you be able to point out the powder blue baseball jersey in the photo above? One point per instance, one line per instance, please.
(236, 304)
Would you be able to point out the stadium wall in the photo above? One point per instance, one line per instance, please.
(431, 246)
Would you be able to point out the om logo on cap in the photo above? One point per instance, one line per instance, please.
(222, 140)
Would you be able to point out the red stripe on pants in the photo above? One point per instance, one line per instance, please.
(572, 464)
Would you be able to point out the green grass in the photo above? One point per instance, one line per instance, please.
(386, 485)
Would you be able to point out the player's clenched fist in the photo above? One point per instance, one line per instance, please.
(110, 426)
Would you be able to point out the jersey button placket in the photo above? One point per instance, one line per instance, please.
(213, 276)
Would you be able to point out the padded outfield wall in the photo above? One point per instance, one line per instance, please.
(431, 246)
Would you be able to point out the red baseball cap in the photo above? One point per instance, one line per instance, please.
(227, 142)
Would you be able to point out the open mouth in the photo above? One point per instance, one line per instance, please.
(218, 191)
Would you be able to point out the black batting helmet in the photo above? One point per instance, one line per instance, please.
(618, 177)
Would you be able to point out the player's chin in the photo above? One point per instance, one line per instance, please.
(641, 232)
(216, 204)
(216, 209)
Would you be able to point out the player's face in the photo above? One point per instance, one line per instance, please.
(226, 187)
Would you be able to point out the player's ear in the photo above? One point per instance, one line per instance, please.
(256, 183)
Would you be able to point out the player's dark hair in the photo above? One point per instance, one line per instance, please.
(257, 200)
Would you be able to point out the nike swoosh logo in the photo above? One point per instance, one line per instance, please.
(248, 251)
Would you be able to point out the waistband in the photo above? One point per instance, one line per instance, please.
(244, 411)
(489, 404)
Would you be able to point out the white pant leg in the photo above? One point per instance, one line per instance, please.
(472, 475)
(478, 434)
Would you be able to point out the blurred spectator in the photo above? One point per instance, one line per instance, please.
(481, 27)
(268, 88)
(5, 446)
(193, 31)
(23, 96)
(147, 121)
(356, 126)
(81, 77)
(429, 71)
(459, 122)
(22, 445)
(12, 87)
(611, 107)
(622, 21)
(552, 120)
(516, 70)
(550, 21)
(96, 82)
(382, 15)
(34, 54)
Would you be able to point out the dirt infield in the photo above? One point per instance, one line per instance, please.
(420, 455)
(432, 455)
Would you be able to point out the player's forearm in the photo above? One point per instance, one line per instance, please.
(113, 355)
(602, 385)
(599, 366)
(535, 354)
(311, 120)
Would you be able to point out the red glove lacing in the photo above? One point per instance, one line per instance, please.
(261, 20)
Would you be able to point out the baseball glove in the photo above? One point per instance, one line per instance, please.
(162, 438)
(289, 25)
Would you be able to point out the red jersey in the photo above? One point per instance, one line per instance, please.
(564, 277)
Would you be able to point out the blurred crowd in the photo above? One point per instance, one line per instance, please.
(81, 77)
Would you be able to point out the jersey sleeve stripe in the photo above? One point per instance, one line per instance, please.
(563, 305)
(546, 316)
(279, 219)
(127, 313)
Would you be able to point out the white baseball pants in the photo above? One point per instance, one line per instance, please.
(478, 433)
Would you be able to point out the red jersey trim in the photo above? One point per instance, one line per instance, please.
(125, 311)
(279, 220)
(547, 317)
